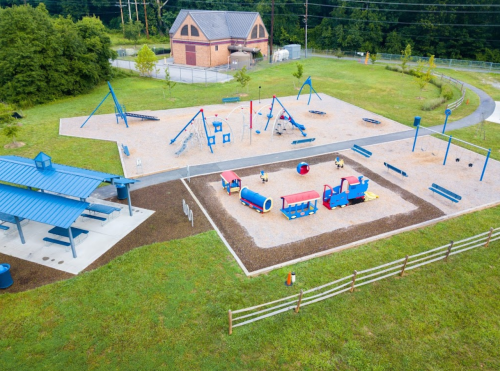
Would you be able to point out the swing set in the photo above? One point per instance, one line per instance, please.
(424, 146)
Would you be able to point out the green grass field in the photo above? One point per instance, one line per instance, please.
(164, 306)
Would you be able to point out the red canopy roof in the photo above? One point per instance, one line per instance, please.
(229, 176)
(298, 198)
(351, 180)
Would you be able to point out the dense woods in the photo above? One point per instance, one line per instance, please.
(445, 28)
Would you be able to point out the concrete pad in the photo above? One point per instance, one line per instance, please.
(495, 116)
(99, 240)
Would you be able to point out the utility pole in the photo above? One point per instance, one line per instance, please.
(136, 11)
(272, 33)
(305, 21)
(121, 12)
(146, 18)
(129, 13)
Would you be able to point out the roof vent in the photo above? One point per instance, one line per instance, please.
(43, 162)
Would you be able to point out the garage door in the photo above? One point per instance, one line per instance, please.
(191, 55)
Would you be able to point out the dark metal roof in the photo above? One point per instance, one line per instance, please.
(40, 207)
(61, 179)
(217, 25)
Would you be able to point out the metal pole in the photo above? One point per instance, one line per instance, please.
(128, 199)
(415, 141)
(19, 229)
(259, 93)
(251, 117)
(305, 20)
(447, 113)
(72, 242)
(447, 149)
(485, 163)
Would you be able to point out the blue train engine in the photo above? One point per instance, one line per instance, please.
(351, 190)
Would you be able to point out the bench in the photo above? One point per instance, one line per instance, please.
(361, 151)
(299, 141)
(95, 217)
(125, 150)
(230, 100)
(445, 193)
(4, 227)
(395, 169)
(58, 242)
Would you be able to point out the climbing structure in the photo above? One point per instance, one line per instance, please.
(288, 117)
(311, 89)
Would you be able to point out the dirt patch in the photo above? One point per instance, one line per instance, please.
(167, 223)
(255, 258)
(14, 145)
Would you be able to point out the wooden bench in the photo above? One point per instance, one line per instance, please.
(445, 193)
(395, 169)
(125, 150)
(230, 100)
(361, 151)
(299, 141)
(95, 217)
(58, 242)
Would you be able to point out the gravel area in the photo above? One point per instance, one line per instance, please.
(149, 140)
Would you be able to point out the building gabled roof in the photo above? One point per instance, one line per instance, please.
(217, 25)
(40, 207)
(60, 179)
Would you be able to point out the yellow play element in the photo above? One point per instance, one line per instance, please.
(369, 196)
(367, 56)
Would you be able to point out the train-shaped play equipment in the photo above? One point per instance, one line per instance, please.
(351, 190)
(256, 201)
(230, 182)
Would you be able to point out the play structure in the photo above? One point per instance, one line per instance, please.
(230, 182)
(311, 89)
(300, 204)
(303, 168)
(120, 111)
(263, 176)
(339, 163)
(427, 145)
(255, 201)
(371, 121)
(351, 190)
(197, 130)
(283, 119)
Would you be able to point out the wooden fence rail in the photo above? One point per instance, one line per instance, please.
(360, 278)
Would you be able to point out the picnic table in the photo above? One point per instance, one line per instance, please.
(63, 232)
(103, 209)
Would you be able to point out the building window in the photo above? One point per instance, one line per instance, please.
(262, 32)
(185, 31)
(254, 33)
(194, 31)
(216, 48)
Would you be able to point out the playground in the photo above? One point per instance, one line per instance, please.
(151, 141)
(267, 239)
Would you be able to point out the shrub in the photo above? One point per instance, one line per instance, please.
(431, 104)
(394, 68)
(446, 92)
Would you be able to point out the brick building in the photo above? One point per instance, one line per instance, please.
(206, 38)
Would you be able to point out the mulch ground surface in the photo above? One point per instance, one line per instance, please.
(167, 223)
(255, 258)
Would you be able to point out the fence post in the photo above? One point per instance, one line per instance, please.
(448, 252)
(489, 237)
(300, 301)
(230, 322)
(355, 273)
(404, 266)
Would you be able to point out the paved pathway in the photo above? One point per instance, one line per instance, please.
(485, 109)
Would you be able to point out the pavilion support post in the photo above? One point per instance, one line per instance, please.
(20, 229)
(72, 242)
(128, 198)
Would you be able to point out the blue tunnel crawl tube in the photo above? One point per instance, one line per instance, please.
(256, 201)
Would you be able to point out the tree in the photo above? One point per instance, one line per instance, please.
(11, 131)
(300, 71)
(6, 112)
(420, 76)
(242, 77)
(145, 61)
(373, 57)
(133, 30)
(171, 84)
(405, 57)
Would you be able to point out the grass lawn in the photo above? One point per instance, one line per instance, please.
(371, 87)
(489, 82)
(164, 306)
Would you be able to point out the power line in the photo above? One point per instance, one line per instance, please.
(416, 4)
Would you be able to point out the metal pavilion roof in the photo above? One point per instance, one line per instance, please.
(61, 179)
(40, 207)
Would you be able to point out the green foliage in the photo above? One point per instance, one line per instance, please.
(146, 61)
(242, 77)
(405, 56)
(339, 53)
(6, 111)
(168, 81)
(300, 71)
(373, 58)
(42, 59)
(11, 131)
(422, 78)
(432, 104)
(446, 92)
(132, 30)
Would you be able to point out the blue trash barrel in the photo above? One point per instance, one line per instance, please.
(5, 277)
(121, 192)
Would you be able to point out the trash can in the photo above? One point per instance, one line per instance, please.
(121, 192)
(5, 277)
